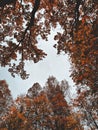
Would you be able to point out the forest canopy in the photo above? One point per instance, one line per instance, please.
(39, 108)
(22, 21)
(48, 108)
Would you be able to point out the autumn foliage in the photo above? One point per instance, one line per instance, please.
(21, 23)
(49, 111)
(5, 98)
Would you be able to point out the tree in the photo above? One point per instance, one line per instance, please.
(79, 39)
(34, 90)
(86, 104)
(5, 99)
(44, 110)
(41, 113)
(20, 34)
(84, 56)
(14, 120)
(30, 113)
(21, 24)
(63, 119)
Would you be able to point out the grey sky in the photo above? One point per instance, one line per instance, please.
(53, 64)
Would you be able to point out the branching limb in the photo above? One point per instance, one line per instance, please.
(77, 14)
(6, 2)
(31, 23)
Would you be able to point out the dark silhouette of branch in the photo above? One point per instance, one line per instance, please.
(90, 114)
(6, 2)
(30, 24)
(77, 14)
(36, 6)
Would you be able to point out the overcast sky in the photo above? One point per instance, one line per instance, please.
(53, 65)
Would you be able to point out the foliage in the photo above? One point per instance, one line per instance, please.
(34, 90)
(5, 98)
(23, 21)
(80, 39)
(86, 104)
(46, 110)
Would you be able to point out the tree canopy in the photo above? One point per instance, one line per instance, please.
(22, 21)
(44, 108)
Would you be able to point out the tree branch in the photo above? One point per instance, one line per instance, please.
(6, 2)
(30, 24)
(77, 14)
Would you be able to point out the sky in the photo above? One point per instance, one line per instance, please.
(53, 65)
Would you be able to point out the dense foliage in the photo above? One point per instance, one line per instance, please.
(22, 22)
(41, 109)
